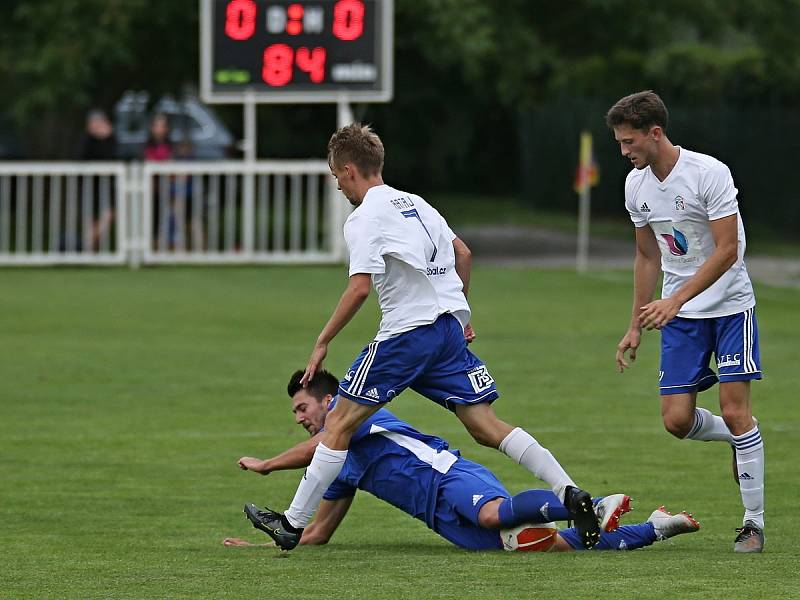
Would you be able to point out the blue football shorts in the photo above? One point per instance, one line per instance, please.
(687, 346)
(463, 491)
(433, 360)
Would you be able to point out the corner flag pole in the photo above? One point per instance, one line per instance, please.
(583, 184)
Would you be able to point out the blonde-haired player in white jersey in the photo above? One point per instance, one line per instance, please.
(685, 211)
(420, 270)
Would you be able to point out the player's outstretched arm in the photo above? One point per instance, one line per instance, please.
(646, 269)
(329, 516)
(352, 298)
(297, 457)
(319, 532)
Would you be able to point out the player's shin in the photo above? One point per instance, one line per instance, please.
(750, 462)
(522, 447)
(324, 468)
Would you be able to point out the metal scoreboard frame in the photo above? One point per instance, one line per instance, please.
(213, 16)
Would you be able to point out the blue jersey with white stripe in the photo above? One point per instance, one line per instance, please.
(396, 463)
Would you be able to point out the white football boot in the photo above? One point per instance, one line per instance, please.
(610, 509)
(667, 525)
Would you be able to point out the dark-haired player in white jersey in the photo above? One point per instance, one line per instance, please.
(420, 270)
(684, 207)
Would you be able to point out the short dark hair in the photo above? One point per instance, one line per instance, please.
(322, 385)
(357, 144)
(641, 110)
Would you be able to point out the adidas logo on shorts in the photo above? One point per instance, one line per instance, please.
(373, 393)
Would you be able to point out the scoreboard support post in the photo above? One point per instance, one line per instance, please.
(344, 113)
(250, 128)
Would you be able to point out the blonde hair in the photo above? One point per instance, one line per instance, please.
(357, 144)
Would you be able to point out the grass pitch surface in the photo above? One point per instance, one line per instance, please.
(127, 397)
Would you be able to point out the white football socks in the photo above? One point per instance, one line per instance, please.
(324, 468)
(708, 427)
(750, 462)
(521, 447)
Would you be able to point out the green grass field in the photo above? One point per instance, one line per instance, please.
(126, 398)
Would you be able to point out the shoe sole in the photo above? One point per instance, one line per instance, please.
(755, 550)
(612, 523)
(585, 520)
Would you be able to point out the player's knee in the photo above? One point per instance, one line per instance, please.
(489, 515)
(677, 426)
(339, 424)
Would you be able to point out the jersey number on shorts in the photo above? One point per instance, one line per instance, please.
(413, 214)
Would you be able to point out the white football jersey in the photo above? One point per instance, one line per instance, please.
(407, 248)
(698, 190)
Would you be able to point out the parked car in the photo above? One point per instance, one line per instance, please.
(188, 118)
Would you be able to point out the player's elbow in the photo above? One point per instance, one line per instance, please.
(461, 250)
(359, 286)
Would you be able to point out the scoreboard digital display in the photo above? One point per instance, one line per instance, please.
(286, 51)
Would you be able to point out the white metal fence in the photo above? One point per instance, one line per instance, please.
(67, 213)
(169, 213)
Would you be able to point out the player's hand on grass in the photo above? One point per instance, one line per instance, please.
(469, 333)
(658, 313)
(314, 363)
(250, 463)
(629, 342)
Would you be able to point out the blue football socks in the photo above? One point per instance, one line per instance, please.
(532, 506)
(627, 537)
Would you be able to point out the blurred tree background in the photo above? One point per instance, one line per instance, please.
(490, 95)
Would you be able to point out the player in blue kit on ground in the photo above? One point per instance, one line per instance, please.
(685, 211)
(460, 500)
(420, 269)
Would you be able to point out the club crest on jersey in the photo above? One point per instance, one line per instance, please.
(480, 379)
(677, 242)
(679, 203)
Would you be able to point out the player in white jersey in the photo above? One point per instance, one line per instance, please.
(403, 247)
(685, 211)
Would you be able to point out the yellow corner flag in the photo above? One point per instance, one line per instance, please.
(587, 174)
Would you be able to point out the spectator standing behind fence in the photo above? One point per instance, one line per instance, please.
(183, 202)
(158, 148)
(98, 143)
